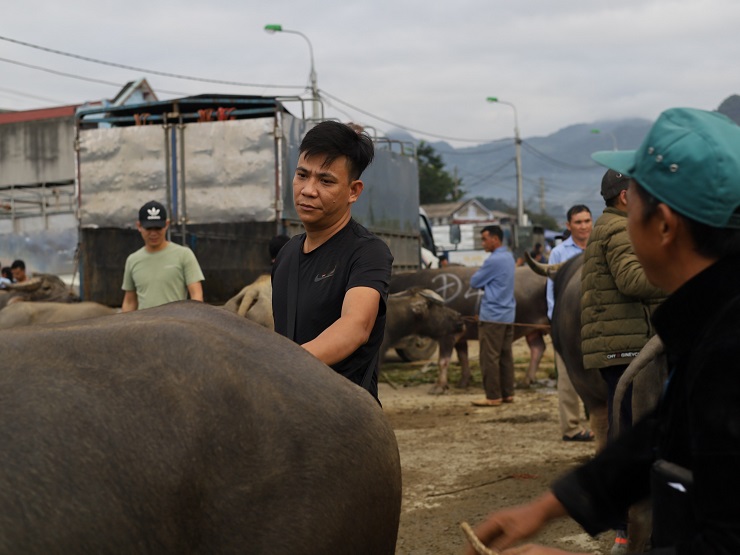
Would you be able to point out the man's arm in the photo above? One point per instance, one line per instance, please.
(484, 274)
(351, 330)
(195, 290)
(130, 302)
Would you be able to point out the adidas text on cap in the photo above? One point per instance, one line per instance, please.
(152, 214)
(690, 160)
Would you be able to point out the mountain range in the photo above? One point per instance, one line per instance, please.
(556, 169)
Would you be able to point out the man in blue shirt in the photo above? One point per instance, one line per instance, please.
(580, 224)
(496, 318)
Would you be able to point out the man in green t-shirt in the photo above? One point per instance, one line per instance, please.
(160, 272)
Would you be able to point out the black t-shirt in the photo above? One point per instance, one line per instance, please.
(353, 257)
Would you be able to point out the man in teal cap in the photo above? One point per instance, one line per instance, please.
(684, 224)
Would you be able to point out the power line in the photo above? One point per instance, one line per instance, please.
(533, 150)
(491, 174)
(61, 73)
(25, 95)
(553, 161)
(400, 126)
(80, 77)
(150, 71)
(203, 80)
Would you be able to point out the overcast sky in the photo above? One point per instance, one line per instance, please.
(427, 66)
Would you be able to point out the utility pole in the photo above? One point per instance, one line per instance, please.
(518, 159)
(542, 195)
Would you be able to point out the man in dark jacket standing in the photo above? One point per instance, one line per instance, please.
(684, 223)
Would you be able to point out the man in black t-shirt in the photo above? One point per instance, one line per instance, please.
(330, 284)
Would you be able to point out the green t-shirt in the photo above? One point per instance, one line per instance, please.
(161, 277)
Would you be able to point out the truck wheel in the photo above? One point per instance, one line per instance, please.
(421, 348)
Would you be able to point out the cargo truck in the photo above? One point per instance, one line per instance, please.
(223, 166)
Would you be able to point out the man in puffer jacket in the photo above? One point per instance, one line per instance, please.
(618, 300)
(617, 304)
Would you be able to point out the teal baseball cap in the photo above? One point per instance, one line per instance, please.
(690, 160)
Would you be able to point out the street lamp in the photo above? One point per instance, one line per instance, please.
(614, 138)
(275, 28)
(518, 154)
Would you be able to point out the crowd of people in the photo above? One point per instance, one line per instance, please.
(662, 257)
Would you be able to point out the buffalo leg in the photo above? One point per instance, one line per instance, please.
(446, 344)
(462, 356)
(536, 343)
(599, 422)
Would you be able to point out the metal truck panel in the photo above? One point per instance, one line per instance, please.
(230, 171)
(221, 171)
(121, 168)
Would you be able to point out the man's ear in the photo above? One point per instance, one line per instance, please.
(355, 190)
(667, 222)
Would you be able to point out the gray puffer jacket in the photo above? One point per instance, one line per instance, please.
(618, 300)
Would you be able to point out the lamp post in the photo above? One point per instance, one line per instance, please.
(276, 28)
(614, 138)
(518, 155)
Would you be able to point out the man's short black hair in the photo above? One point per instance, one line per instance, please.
(577, 209)
(18, 264)
(334, 140)
(494, 230)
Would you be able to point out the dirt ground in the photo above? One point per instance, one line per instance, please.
(461, 462)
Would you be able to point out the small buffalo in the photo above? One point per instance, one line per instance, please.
(30, 313)
(453, 285)
(186, 429)
(421, 312)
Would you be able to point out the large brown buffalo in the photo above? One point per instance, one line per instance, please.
(453, 285)
(186, 429)
(41, 312)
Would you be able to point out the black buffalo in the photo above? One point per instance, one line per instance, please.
(186, 429)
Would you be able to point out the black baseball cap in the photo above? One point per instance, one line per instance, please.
(152, 214)
(613, 183)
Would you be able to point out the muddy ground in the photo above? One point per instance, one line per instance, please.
(460, 462)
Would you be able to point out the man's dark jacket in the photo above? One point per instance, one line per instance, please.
(696, 425)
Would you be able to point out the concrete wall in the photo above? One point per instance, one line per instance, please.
(39, 151)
